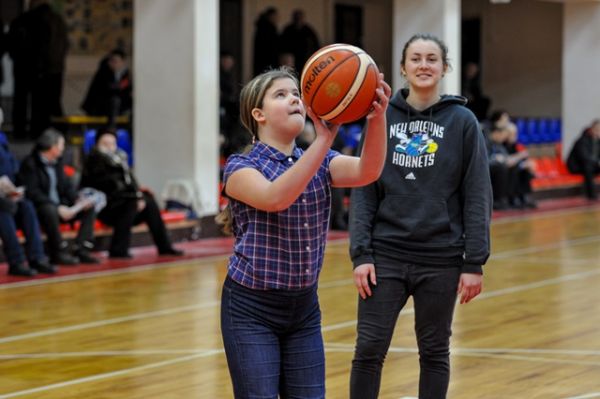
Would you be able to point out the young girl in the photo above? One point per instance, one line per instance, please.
(279, 208)
(423, 228)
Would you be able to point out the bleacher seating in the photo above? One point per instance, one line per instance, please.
(539, 130)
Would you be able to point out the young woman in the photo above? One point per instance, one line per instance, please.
(279, 208)
(422, 229)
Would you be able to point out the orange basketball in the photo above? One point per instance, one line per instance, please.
(338, 82)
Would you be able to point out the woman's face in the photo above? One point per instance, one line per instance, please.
(423, 66)
(107, 143)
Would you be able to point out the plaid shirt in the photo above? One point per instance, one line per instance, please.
(279, 250)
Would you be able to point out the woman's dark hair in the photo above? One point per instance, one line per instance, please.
(431, 38)
(102, 132)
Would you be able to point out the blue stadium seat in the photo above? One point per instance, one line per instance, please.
(556, 129)
(544, 130)
(532, 131)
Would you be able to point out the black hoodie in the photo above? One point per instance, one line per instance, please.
(433, 202)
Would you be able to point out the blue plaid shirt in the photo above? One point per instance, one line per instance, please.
(279, 250)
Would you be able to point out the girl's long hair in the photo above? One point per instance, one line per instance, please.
(252, 96)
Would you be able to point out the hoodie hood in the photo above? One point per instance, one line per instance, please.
(399, 101)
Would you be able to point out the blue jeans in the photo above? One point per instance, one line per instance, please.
(273, 342)
(434, 293)
(26, 219)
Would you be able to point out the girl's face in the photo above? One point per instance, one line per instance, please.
(282, 110)
(424, 66)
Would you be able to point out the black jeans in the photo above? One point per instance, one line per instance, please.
(50, 222)
(125, 215)
(434, 294)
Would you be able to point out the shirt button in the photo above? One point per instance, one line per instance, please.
(306, 225)
(304, 200)
(307, 248)
(307, 271)
(290, 159)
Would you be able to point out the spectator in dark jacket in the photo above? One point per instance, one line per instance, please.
(106, 169)
(584, 158)
(299, 39)
(37, 44)
(18, 212)
(266, 41)
(109, 93)
(56, 200)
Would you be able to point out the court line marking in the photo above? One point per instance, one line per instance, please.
(191, 262)
(167, 312)
(347, 348)
(329, 348)
(105, 322)
(136, 353)
(492, 351)
(136, 269)
(545, 214)
(103, 376)
(586, 396)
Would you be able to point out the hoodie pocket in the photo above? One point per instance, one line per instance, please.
(413, 218)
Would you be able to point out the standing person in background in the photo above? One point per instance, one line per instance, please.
(37, 44)
(422, 229)
(299, 39)
(471, 89)
(266, 41)
(279, 204)
(106, 169)
(110, 91)
(584, 158)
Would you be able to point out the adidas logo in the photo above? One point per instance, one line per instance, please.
(410, 176)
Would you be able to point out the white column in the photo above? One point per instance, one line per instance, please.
(581, 68)
(176, 95)
(438, 17)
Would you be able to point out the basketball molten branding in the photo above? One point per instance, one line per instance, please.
(338, 82)
(316, 70)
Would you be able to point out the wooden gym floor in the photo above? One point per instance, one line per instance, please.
(152, 331)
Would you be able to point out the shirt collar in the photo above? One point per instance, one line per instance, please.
(273, 153)
(46, 161)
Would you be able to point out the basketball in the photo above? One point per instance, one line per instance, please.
(338, 82)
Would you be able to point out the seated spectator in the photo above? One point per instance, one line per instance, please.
(56, 200)
(584, 158)
(525, 169)
(109, 93)
(18, 212)
(106, 169)
(503, 170)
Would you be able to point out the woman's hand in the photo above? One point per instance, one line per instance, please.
(362, 275)
(469, 286)
(384, 92)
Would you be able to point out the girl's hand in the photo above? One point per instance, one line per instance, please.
(322, 128)
(384, 92)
